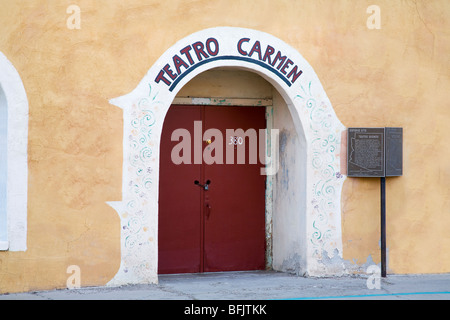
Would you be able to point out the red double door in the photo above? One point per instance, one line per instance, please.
(211, 216)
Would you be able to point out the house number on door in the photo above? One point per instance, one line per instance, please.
(236, 140)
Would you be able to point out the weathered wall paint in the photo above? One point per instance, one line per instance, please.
(393, 76)
(289, 224)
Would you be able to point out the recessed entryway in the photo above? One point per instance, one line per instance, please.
(307, 189)
(212, 211)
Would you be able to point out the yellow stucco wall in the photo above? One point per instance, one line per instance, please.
(395, 76)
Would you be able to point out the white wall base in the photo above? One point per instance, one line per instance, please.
(4, 245)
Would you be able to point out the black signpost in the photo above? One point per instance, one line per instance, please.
(376, 152)
(383, 225)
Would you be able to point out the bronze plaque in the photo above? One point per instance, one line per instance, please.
(394, 151)
(365, 152)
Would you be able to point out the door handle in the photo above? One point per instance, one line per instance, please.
(205, 186)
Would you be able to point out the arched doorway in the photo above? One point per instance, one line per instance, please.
(14, 159)
(310, 234)
(3, 170)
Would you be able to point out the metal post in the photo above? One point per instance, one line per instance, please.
(383, 227)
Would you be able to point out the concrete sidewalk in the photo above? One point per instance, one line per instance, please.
(259, 285)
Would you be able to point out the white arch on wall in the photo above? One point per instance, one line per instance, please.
(17, 156)
(144, 110)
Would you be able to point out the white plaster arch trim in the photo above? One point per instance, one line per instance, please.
(144, 110)
(17, 155)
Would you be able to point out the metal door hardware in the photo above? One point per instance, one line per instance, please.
(205, 186)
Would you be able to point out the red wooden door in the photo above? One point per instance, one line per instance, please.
(179, 230)
(221, 228)
(235, 225)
